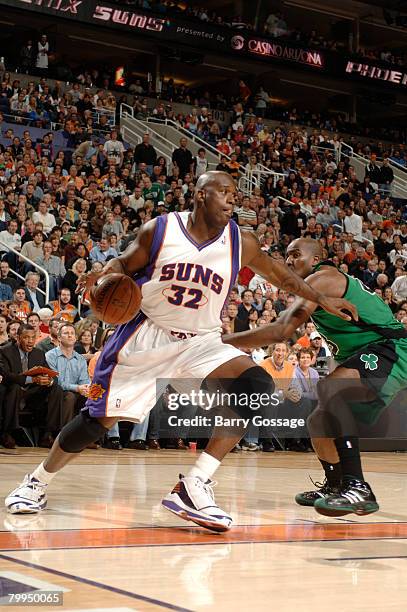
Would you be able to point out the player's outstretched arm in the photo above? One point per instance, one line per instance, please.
(134, 258)
(283, 277)
(329, 282)
(282, 329)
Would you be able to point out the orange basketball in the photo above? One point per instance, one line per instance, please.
(115, 299)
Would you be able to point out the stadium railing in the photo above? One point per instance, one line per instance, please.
(31, 263)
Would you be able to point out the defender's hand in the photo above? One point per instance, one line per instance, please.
(338, 306)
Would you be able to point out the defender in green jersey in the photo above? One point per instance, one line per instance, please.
(372, 370)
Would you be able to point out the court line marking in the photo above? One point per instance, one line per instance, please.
(223, 542)
(186, 528)
(181, 463)
(178, 536)
(34, 582)
(195, 530)
(94, 583)
(367, 558)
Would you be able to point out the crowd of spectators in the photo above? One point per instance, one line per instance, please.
(386, 56)
(72, 209)
(190, 10)
(42, 106)
(81, 112)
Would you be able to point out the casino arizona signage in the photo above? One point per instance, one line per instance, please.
(273, 49)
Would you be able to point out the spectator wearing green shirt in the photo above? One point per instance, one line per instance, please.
(152, 191)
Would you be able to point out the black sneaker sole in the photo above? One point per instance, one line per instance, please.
(359, 508)
(308, 503)
(302, 502)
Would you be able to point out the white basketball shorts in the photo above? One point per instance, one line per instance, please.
(140, 359)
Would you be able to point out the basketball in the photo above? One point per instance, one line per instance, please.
(115, 299)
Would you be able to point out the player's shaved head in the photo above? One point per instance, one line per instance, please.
(303, 254)
(309, 245)
(214, 199)
(214, 178)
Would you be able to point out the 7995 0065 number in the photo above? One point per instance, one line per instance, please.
(35, 598)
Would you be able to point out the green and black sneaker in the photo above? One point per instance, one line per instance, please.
(308, 498)
(355, 497)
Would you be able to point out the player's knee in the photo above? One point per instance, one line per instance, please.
(322, 388)
(250, 391)
(80, 432)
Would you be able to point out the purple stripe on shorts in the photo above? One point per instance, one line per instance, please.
(106, 363)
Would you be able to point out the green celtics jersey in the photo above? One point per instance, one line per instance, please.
(376, 322)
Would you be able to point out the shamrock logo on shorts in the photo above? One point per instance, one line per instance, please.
(370, 361)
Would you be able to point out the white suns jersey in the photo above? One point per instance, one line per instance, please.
(186, 284)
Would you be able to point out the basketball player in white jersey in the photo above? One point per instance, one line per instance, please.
(186, 263)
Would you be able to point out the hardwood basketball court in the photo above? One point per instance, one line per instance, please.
(105, 543)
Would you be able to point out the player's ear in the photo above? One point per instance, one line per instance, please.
(200, 197)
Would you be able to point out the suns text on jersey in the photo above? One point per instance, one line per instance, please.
(194, 273)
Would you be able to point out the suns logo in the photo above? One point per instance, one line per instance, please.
(96, 392)
(237, 43)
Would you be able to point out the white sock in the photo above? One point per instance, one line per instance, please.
(41, 474)
(205, 467)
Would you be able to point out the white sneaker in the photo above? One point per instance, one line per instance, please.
(193, 500)
(29, 497)
(250, 446)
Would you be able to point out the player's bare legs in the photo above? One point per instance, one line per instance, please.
(30, 496)
(222, 441)
(325, 449)
(57, 458)
(345, 489)
(192, 498)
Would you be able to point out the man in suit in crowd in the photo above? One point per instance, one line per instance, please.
(41, 394)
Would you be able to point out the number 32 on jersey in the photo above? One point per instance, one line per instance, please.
(188, 297)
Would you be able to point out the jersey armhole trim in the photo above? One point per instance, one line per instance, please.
(347, 283)
(157, 244)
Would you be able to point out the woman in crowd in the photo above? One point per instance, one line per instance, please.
(80, 251)
(84, 345)
(57, 248)
(306, 379)
(70, 279)
(390, 300)
(253, 318)
(114, 188)
(162, 164)
(307, 376)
